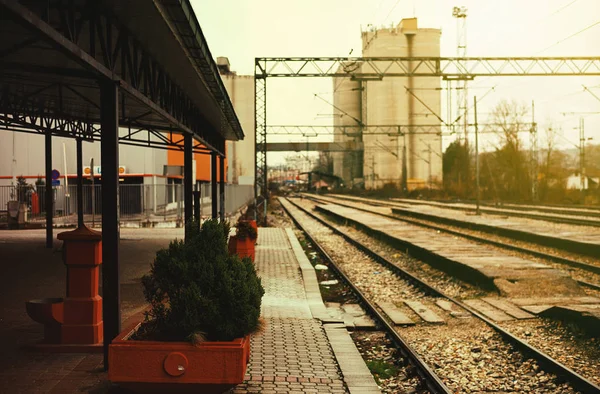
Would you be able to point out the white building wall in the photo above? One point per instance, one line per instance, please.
(577, 182)
(23, 154)
(241, 154)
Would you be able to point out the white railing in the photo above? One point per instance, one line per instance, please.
(144, 203)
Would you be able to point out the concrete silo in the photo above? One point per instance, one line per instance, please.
(389, 102)
(347, 112)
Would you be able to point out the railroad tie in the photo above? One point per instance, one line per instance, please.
(450, 307)
(397, 316)
(424, 312)
(508, 308)
(488, 310)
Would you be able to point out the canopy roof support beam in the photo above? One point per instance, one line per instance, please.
(111, 294)
(188, 184)
(213, 185)
(49, 192)
(222, 188)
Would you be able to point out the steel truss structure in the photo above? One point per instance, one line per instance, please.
(389, 130)
(37, 121)
(106, 49)
(377, 68)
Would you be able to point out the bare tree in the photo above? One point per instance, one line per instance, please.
(510, 118)
(511, 162)
(553, 168)
(550, 133)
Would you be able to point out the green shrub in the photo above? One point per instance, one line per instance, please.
(245, 230)
(197, 290)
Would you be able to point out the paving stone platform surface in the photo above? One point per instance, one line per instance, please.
(293, 353)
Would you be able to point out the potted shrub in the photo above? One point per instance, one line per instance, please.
(204, 304)
(249, 215)
(244, 241)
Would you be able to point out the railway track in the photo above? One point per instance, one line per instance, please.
(543, 238)
(577, 217)
(549, 364)
(428, 378)
(588, 211)
(477, 238)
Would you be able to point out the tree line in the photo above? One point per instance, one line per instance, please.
(511, 171)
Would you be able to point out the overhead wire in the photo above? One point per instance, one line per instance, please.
(562, 8)
(392, 10)
(557, 11)
(569, 37)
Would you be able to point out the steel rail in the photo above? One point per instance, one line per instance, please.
(428, 377)
(579, 382)
(557, 259)
(562, 209)
(542, 215)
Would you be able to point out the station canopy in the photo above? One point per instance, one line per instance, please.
(53, 54)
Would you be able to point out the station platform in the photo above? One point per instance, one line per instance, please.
(494, 269)
(301, 348)
(570, 237)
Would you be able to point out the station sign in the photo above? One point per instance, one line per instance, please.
(55, 174)
(87, 170)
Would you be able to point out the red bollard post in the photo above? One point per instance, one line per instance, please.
(83, 305)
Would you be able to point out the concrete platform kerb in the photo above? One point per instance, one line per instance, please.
(357, 376)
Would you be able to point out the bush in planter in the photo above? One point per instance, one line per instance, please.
(197, 290)
(245, 230)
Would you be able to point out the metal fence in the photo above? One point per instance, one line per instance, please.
(138, 203)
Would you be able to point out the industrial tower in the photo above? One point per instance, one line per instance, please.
(411, 158)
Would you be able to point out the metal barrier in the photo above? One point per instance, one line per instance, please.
(138, 203)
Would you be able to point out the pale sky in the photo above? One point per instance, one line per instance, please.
(244, 29)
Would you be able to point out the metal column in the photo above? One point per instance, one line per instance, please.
(188, 209)
(222, 188)
(111, 303)
(197, 207)
(49, 190)
(478, 190)
(79, 182)
(213, 183)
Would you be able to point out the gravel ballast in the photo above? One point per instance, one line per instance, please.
(466, 354)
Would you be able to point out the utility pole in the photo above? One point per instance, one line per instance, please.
(460, 13)
(429, 163)
(373, 170)
(404, 168)
(534, 153)
(582, 159)
(308, 167)
(477, 212)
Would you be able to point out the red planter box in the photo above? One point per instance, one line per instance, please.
(245, 247)
(166, 367)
